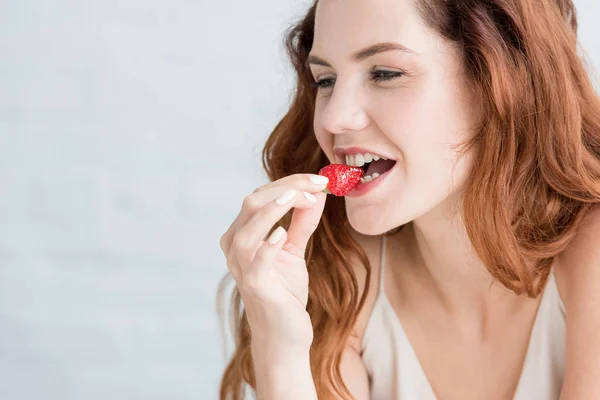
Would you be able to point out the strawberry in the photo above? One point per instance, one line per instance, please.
(342, 178)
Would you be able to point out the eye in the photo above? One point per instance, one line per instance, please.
(323, 83)
(377, 76)
(382, 75)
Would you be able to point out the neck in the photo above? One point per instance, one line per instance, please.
(444, 264)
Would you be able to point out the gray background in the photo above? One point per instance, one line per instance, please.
(130, 131)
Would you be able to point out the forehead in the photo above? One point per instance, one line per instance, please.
(342, 26)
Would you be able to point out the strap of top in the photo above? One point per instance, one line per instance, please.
(382, 266)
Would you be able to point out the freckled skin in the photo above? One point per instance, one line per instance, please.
(342, 178)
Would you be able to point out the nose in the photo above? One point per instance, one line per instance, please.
(344, 112)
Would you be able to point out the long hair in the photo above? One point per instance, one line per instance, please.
(536, 166)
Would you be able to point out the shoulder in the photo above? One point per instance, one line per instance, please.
(371, 246)
(578, 266)
(578, 278)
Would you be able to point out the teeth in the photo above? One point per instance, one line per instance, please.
(358, 159)
(369, 178)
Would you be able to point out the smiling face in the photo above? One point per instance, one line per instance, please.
(407, 100)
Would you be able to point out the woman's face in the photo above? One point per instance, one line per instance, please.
(414, 117)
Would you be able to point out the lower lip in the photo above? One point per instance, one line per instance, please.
(363, 188)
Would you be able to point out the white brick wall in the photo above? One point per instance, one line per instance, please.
(115, 119)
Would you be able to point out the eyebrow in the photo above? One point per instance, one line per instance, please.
(364, 53)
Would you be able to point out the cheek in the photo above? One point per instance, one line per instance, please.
(425, 124)
(324, 138)
(414, 121)
(432, 118)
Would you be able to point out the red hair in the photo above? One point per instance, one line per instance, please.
(536, 165)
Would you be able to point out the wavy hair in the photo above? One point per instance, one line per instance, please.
(536, 166)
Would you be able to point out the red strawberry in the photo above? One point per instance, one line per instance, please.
(342, 178)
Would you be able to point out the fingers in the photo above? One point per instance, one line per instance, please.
(234, 268)
(303, 225)
(255, 201)
(265, 255)
(300, 181)
(248, 238)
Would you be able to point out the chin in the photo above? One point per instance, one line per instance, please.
(374, 225)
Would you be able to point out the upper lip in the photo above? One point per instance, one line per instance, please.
(341, 153)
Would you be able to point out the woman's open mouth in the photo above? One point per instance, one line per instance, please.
(377, 167)
(373, 165)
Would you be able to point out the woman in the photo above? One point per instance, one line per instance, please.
(451, 273)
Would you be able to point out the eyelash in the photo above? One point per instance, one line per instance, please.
(378, 76)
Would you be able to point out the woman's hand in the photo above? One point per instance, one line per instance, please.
(271, 273)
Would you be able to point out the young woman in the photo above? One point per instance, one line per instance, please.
(469, 266)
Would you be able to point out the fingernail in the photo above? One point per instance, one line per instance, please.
(318, 179)
(286, 197)
(276, 235)
(310, 197)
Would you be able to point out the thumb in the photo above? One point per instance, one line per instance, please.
(304, 223)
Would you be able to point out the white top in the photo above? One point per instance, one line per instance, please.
(396, 374)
